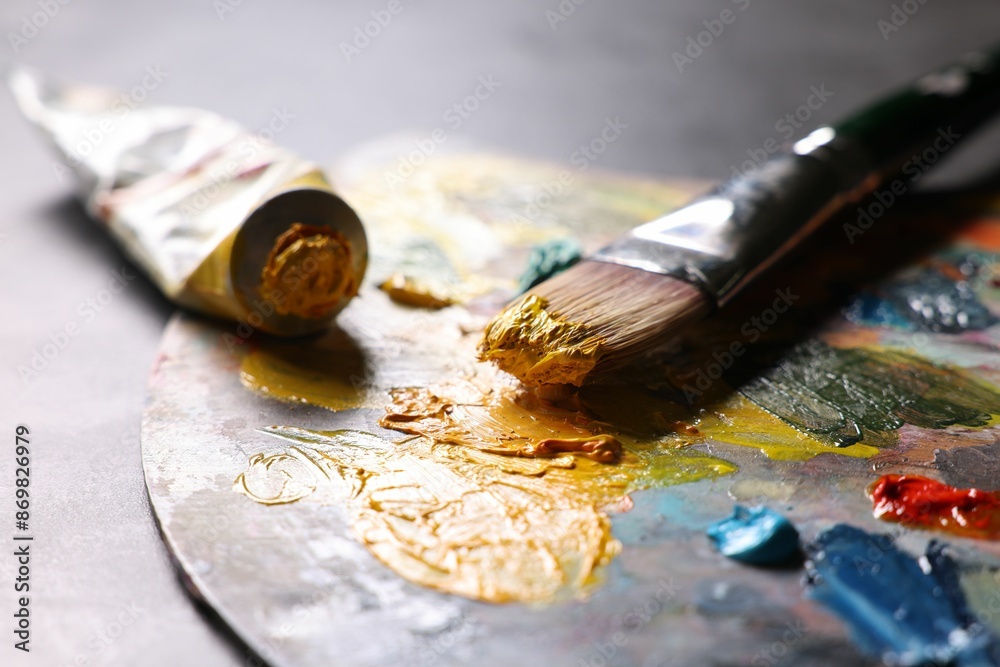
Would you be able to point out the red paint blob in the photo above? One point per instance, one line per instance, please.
(922, 502)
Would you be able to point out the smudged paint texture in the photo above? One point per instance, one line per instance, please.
(921, 502)
(970, 465)
(845, 396)
(758, 536)
(503, 455)
(466, 515)
(941, 298)
(899, 609)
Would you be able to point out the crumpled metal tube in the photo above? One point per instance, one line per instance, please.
(221, 223)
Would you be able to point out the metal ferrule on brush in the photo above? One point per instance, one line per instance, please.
(724, 238)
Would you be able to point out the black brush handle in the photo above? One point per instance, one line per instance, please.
(952, 100)
(722, 240)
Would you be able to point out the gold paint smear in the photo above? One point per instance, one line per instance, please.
(328, 373)
(411, 291)
(517, 424)
(529, 343)
(502, 497)
(482, 502)
(727, 418)
(461, 521)
(320, 375)
(312, 268)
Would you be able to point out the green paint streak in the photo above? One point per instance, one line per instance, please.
(847, 396)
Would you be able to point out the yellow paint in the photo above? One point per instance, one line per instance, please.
(502, 493)
(506, 421)
(311, 268)
(529, 343)
(737, 421)
(327, 372)
(498, 493)
(502, 498)
(410, 291)
(597, 467)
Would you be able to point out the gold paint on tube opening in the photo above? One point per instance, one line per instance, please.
(310, 266)
(199, 215)
(288, 269)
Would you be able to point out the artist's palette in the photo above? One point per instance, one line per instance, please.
(268, 505)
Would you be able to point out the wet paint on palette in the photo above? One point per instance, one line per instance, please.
(920, 502)
(625, 434)
(901, 609)
(846, 396)
(940, 299)
(503, 454)
(410, 291)
(465, 512)
(756, 535)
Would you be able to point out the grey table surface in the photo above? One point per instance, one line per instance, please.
(103, 590)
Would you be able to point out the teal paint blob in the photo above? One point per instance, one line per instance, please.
(548, 259)
(757, 536)
(904, 611)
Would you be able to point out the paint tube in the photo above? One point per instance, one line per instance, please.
(223, 222)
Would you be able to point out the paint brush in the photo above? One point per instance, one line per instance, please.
(676, 270)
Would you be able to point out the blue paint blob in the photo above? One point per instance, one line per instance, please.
(928, 300)
(758, 536)
(874, 311)
(548, 259)
(903, 610)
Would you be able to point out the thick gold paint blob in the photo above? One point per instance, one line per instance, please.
(411, 291)
(311, 268)
(506, 422)
(455, 519)
(502, 497)
(529, 343)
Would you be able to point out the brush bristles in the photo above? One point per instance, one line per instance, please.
(630, 309)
